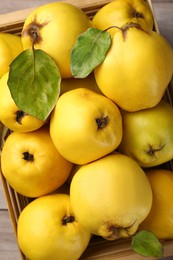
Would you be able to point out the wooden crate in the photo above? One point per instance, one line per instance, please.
(98, 248)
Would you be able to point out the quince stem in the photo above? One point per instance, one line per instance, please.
(125, 28)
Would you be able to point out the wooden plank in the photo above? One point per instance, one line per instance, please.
(3, 203)
(164, 16)
(8, 246)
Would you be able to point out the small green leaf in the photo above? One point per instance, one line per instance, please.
(34, 83)
(146, 243)
(89, 51)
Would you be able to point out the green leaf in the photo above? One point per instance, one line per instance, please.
(146, 243)
(89, 51)
(34, 83)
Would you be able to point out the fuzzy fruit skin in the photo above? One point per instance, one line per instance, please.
(10, 47)
(59, 24)
(74, 130)
(40, 175)
(154, 145)
(111, 196)
(120, 12)
(41, 234)
(136, 70)
(9, 110)
(159, 220)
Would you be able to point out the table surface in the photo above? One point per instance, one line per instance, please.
(163, 11)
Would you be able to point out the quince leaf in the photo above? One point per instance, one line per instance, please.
(89, 51)
(34, 83)
(146, 243)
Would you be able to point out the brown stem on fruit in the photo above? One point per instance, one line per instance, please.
(111, 27)
(125, 28)
(151, 151)
(35, 33)
(67, 219)
(33, 30)
(28, 157)
(19, 115)
(101, 122)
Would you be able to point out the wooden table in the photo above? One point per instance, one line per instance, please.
(164, 15)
